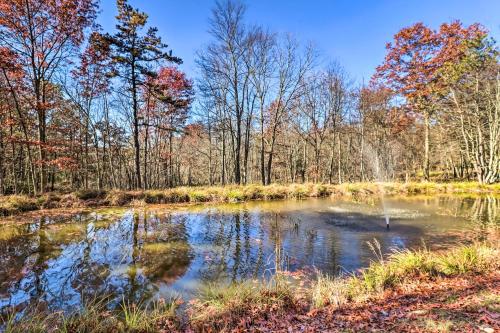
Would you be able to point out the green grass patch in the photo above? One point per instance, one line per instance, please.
(404, 266)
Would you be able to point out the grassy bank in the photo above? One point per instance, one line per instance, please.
(15, 204)
(406, 291)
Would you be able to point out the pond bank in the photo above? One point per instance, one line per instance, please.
(16, 204)
(410, 290)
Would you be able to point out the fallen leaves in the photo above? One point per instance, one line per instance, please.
(458, 304)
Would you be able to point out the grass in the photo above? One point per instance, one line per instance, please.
(96, 317)
(220, 306)
(223, 307)
(15, 204)
(402, 267)
(440, 326)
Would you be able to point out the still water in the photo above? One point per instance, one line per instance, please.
(151, 252)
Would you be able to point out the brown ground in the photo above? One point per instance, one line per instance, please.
(461, 304)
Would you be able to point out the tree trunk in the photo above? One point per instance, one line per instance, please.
(137, 147)
(426, 146)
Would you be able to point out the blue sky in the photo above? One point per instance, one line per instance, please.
(354, 33)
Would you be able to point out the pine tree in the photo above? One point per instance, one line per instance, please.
(135, 55)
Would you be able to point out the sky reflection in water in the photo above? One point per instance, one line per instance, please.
(143, 253)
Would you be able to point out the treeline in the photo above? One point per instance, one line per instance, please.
(81, 108)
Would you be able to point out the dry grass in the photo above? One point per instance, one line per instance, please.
(223, 307)
(219, 307)
(15, 204)
(95, 317)
(402, 267)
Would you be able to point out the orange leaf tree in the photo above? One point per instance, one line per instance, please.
(413, 63)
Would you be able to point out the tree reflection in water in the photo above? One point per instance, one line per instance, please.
(142, 253)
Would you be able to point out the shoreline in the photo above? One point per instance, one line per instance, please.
(409, 290)
(13, 205)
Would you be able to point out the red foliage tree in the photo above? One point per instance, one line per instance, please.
(413, 63)
(43, 34)
(168, 96)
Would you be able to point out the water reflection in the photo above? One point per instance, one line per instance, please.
(144, 253)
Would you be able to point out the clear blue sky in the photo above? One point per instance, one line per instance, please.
(352, 32)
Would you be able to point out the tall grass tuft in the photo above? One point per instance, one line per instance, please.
(402, 266)
(95, 316)
(220, 305)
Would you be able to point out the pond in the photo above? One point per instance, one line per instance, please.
(139, 254)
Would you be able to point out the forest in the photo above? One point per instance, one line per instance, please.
(269, 190)
(82, 108)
